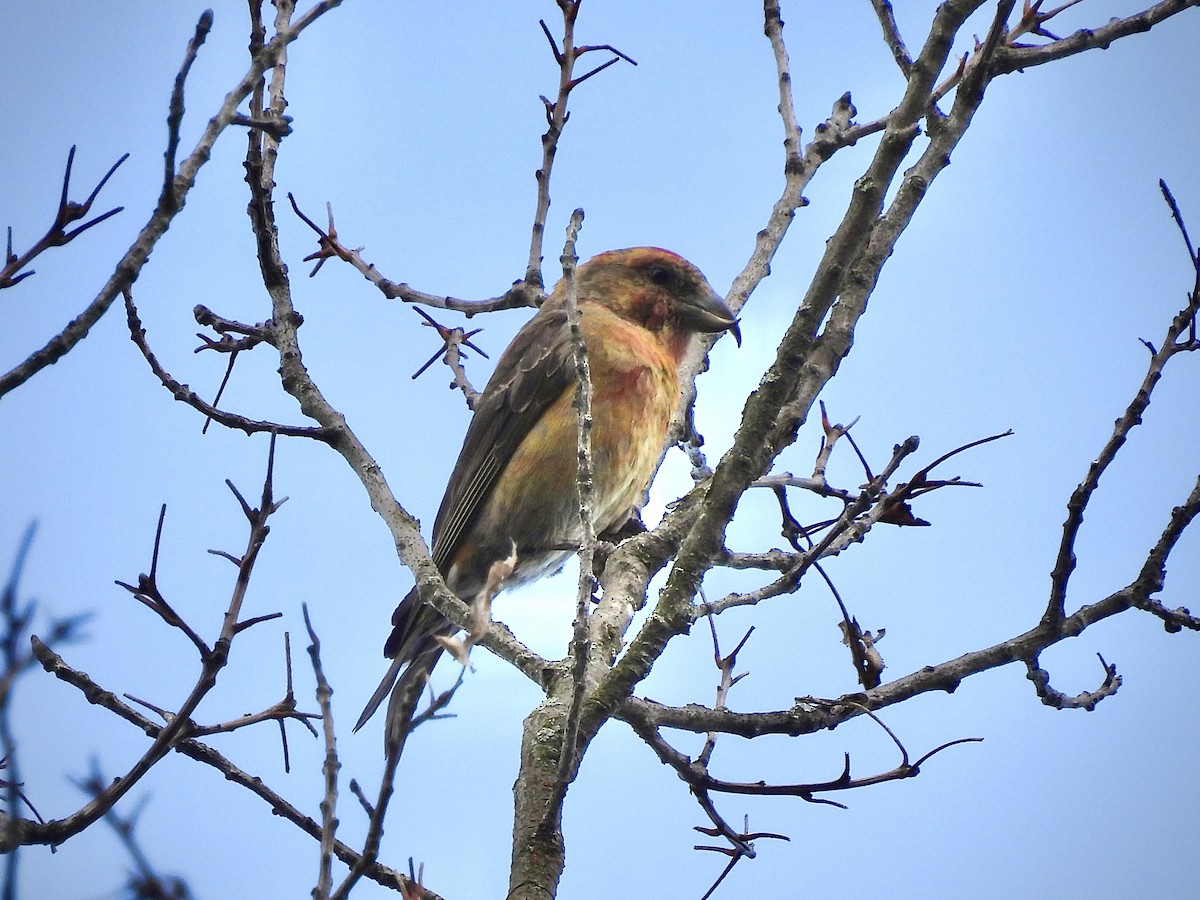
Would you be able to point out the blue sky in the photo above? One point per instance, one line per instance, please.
(1015, 300)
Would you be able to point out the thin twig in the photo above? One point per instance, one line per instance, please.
(556, 120)
(202, 753)
(127, 269)
(329, 768)
(581, 646)
(521, 294)
(185, 394)
(179, 724)
(57, 235)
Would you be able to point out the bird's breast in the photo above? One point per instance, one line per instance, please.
(635, 391)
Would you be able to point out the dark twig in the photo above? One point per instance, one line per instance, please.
(453, 340)
(438, 702)
(557, 116)
(691, 774)
(148, 594)
(1178, 217)
(897, 511)
(1085, 700)
(743, 848)
(740, 844)
(520, 294)
(185, 394)
(57, 234)
(725, 666)
(202, 753)
(329, 768)
(169, 200)
(252, 336)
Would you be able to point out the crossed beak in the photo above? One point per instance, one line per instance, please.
(707, 313)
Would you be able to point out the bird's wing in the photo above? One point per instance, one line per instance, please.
(531, 375)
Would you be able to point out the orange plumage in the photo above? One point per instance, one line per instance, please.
(514, 484)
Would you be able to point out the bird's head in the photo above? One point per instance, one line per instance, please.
(658, 289)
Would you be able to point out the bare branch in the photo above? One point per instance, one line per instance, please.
(1174, 342)
(556, 119)
(330, 767)
(130, 265)
(521, 294)
(179, 725)
(1086, 700)
(185, 394)
(696, 776)
(581, 646)
(202, 753)
(57, 235)
(1017, 58)
(891, 34)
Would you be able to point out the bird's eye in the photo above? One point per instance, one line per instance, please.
(662, 277)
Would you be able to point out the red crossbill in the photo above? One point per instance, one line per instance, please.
(513, 494)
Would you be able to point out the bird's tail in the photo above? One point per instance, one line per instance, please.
(405, 697)
(414, 652)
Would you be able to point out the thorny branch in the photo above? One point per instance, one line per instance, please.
(808, 356)
(185, 394)
(695, 772)
(179, 725)
(520, 294)
(1180, 338)
(130, 265)
(206, 755)
(57, 234)
(557, 116)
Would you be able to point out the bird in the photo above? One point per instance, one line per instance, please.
(512, 498)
